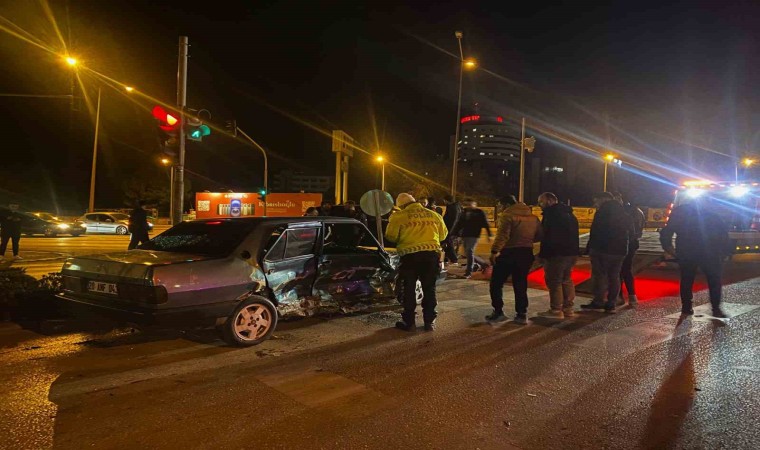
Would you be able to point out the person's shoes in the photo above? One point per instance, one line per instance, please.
(592, 306)
(609, 310)
(633, 301)
(687, 312)
(719, 314)
(553, 314)
(16, 258)
(401, 325)
(620, 301)
(568, 312)
(430, 326)
(496, 316)
(521, 319)
(468, 275)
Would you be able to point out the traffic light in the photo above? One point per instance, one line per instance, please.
(166, 121)
(263, 195)
(195, 129)
(231, 127)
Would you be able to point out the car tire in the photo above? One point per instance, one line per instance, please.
(122, 230)
(77, 234)
(252, 322)
(50, 233)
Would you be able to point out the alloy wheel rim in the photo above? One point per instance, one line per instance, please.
(252, 322)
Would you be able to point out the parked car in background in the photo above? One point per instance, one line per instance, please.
(108, 222)
(33, 223)
(238, 274)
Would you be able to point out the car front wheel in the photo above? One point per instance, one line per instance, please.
(122, 230)
(252, 322)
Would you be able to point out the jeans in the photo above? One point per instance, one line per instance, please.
(514, 262)
(605, 273)
(450, 249)
(4, 243)
(138, 237)
(626, 274)
(557, 271)
(422, 266)
(469, 250)
(711, 266)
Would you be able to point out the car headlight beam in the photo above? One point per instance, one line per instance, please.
(694, 192)
(63, 226)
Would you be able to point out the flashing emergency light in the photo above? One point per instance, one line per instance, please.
(694, 193)
(738, 191)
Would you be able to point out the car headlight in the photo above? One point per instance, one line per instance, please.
(63, 226)
(150, 224)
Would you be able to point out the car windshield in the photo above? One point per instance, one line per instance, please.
(120, 216)
(210, 238)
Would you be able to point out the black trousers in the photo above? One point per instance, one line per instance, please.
(515, 263)
(422, 266)
(626, 272)
(449, 249)
(138, 237)
(15, 238)
(712, 267)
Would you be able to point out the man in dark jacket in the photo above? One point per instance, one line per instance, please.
(701, 242)
(607, 246)
(472, 221)
(10, 230)
(560, 248)
(138, 226)
(450, 218)
(626, 272)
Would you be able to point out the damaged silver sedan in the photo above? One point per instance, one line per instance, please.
(239, 275)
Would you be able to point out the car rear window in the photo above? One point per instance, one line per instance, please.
(210, 238)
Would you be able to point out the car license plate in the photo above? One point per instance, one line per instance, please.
(102, 288)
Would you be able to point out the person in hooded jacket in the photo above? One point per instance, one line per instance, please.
(607, 246)
(450, 219)
(560, 248)
(512, 256)
(626, 272)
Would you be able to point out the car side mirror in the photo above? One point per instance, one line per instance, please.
(245, 254)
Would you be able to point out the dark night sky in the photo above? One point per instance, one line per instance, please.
(662, 72)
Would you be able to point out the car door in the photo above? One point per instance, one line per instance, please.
(352, 267)
(90, 222)
(290, 264)
(107, 224)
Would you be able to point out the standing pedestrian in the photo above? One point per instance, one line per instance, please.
(450, 218)
(138, 226)
(417, 233)
(471, 223)
(325, 209)
(607, 246)
(512, 255)
(626, 271)
(311, 211)
(701, 243)
(10, 230)
(560, 248)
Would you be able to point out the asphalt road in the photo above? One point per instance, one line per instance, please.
(637, 379)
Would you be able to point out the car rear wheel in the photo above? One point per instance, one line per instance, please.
(122, 230)
(251, 323)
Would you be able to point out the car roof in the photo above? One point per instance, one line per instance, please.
(278, 220)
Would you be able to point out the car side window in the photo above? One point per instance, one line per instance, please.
(342, 238)
(276, 246)
(106, 218)
(91, 217)
(300, 242)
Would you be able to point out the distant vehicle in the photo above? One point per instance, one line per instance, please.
(46, 224)
(108, 223)
(238, 274)
(737, 203)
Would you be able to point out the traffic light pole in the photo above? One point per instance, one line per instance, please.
(266, 164)
(178, 187)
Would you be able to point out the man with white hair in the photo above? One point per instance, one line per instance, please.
(417, 232)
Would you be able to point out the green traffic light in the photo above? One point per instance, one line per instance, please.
(200, 131)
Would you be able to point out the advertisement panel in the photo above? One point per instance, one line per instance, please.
(209, 205)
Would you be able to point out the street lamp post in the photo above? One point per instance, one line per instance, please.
(526, 144)
(266, 164)
(381, 160)
(91, 206)
(610, 158)
(469, 64)
(746, 162)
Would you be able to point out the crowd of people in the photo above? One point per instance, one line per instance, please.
(424, 237)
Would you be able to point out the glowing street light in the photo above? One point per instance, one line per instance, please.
(609, 158)
(166, 161)
(747, 163)
(470, 63)
(381, 159)
(129, 88)
(71, 61)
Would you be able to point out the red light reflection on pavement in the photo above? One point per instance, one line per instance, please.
(648, 287)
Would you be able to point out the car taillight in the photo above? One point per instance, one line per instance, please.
(139, 293)
(755, 225)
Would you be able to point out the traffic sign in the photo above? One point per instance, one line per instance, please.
(370, 207)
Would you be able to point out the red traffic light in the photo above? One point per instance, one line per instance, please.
(167, 122)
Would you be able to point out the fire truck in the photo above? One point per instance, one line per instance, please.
(737, 203)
